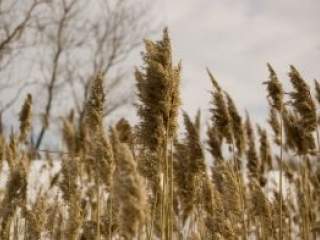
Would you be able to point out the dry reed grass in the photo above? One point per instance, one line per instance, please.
(148, 182)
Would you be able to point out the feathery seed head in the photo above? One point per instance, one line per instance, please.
(25, 118)
(275, 90)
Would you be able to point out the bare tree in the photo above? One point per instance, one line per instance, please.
(117, 32)
(77, 45)
(67, 42)
(56, 35)
(15, 19)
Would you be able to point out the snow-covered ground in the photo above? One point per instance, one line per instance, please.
(39, 176)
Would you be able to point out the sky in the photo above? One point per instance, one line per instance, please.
(235, 39)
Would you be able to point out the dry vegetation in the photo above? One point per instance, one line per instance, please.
(149, 182)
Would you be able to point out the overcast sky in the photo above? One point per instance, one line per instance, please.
(236, 39)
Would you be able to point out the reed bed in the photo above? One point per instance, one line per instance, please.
(146, 181)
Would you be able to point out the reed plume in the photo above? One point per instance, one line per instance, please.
(193, 144)
(253, 163)
(189, 165)
(276, 96)
(317, 88)
(275, 125)
(227, 183)
(220, 115)
(237, 126)
(265, 154)
(36, 219)
(69, 132)
(158, 93)
(130, 193)
(100, 153)
(15, 196)
(302, 101)
(215, 144)
(71, 194)
(94, 106)
(126, 133)
(25, 118)
(275, 90)
(261, 208)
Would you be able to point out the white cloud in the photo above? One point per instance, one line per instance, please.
(236, 39)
